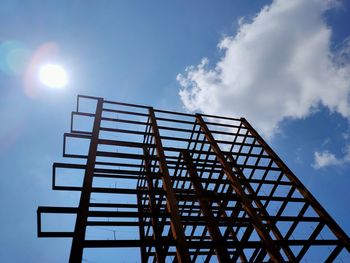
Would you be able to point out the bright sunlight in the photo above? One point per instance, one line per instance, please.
(53, 76)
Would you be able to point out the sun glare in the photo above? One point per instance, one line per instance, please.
(53, 75)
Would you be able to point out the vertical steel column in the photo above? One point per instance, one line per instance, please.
(76, 253)
(157, 235)
(176, 226)
(334, 227)
(231, 231)
(272, 250)
(219, 243)
(272, 225)
(141, 228)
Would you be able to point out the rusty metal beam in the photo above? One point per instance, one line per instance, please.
(76, 254)
(214, 231)
(141, 230)
(246, 203)
(335, 228)
(152, 205)
(176, 226)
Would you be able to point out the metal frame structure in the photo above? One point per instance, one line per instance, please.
(198, 187)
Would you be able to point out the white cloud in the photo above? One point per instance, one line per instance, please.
(278, 66)
(325, 158)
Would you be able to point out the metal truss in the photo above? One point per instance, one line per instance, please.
(196, 188)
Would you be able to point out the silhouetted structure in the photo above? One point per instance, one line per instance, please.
(194, 186)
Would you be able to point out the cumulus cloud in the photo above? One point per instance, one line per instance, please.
(325, 158)
(278, 65)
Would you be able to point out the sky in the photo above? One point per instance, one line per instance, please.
(284, 65)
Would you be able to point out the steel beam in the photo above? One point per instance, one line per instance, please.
(246, 203)
(176, 226)
(76, 254)
(214, 231)
(334, 227)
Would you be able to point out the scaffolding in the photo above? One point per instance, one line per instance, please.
(195, 187)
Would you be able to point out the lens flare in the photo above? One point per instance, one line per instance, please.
(14, 57)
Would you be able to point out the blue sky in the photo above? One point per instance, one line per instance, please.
(146, 53)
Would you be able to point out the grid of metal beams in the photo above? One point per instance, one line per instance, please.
(196, 188)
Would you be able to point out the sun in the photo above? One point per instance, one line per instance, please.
(53, 76)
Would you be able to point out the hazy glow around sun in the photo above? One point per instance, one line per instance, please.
(53, 75)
